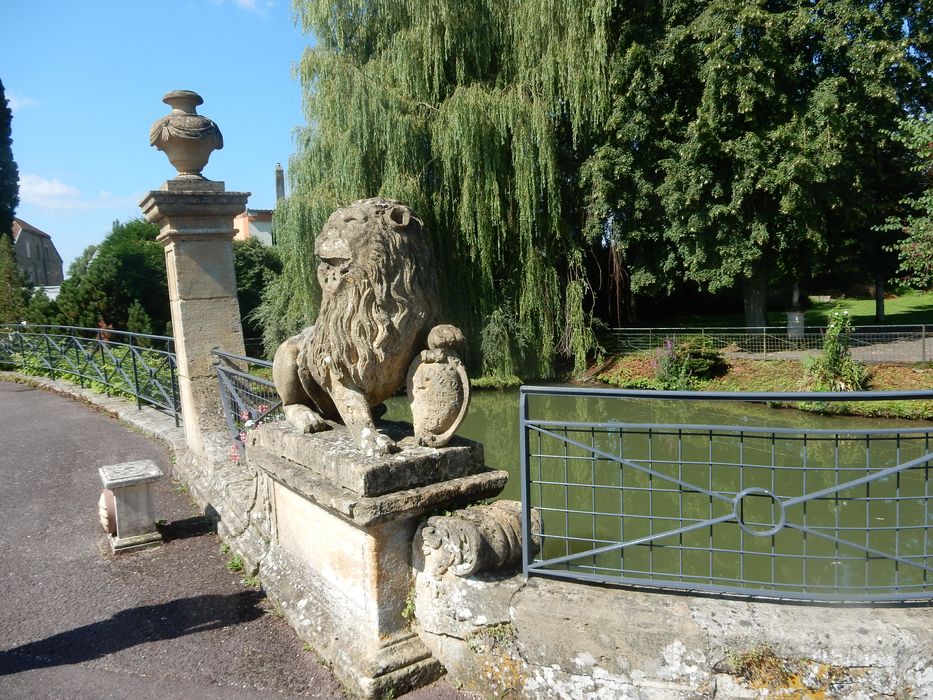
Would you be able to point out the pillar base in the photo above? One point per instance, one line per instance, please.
(339, 562)
(121, 545)
(130, 483)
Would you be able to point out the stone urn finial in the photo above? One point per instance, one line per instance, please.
(186, 137)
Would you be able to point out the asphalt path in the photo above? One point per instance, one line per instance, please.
(168, 622)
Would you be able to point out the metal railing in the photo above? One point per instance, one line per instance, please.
(116, 362)
(831, 514)
(247, 395)
(872, 344)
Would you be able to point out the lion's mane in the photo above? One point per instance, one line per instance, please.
(385, 306)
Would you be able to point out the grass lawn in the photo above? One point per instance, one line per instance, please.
(907, 309)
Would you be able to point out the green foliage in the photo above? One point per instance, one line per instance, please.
(408, 612)
(41, 310)
(137, 320)
(9, 174)
(502, 346)
(915, 251)
(235, 563)
(682, 363)
(474, 115)
(256, 266)
(725, 142)
(127, 267)
(80, 264)
(834, 369)
(14, 285)
(749, 140)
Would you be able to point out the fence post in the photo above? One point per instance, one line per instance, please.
(923, 344)
(764, 339)
(139, 403)
(48, 354)
(78, 367)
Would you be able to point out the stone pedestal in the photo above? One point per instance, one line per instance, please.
(131, 485)
(196, 221)
(339, 563)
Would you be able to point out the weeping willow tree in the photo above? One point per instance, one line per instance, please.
(476, 114)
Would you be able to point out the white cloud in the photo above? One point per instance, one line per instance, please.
(260, 6)
(18, 104)
(59, 196)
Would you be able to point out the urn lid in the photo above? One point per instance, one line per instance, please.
(179, 99)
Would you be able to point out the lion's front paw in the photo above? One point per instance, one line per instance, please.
(374, 444)
(305, 419)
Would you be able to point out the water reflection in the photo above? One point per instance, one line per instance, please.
(493, 421)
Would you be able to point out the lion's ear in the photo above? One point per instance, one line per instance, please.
(400, 218)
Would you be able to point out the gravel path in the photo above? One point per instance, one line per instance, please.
(168, 622)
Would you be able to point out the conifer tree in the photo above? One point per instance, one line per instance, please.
(9, 175)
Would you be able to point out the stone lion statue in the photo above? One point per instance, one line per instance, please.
(379, 303)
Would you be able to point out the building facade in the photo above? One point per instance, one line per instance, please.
(36, 255)
(254, 223)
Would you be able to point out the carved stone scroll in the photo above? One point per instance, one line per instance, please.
(476, 538)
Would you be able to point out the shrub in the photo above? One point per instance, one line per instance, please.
(684, 361)
(834, 369)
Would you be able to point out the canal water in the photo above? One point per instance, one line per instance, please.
(693, 451)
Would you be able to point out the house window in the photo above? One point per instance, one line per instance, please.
(28, 252)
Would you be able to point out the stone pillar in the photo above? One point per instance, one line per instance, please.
(195, 216)
(196, 222)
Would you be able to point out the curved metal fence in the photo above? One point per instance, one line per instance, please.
(819, 514)
(247, 395)
(870, 344)
(134, 365)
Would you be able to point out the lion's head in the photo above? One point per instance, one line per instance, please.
(379, 295)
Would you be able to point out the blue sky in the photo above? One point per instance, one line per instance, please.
(85, 81)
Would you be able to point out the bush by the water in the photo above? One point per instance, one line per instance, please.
(684, 361)
(834, 369)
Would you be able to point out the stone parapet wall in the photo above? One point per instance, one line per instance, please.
(498, 634)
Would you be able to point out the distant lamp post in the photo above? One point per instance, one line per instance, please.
(186, 137)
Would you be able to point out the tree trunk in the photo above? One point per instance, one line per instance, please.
(755, 296)
(879, 298)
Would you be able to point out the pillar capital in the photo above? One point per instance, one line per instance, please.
(197, 209)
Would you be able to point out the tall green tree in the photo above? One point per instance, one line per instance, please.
(128, 267)
(14, 285)
(256, 266)
(724, 143)
(915, 250)
(9, 175)
(473, 113)
(752, 138)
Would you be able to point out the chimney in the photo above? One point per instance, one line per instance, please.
(279, 182)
